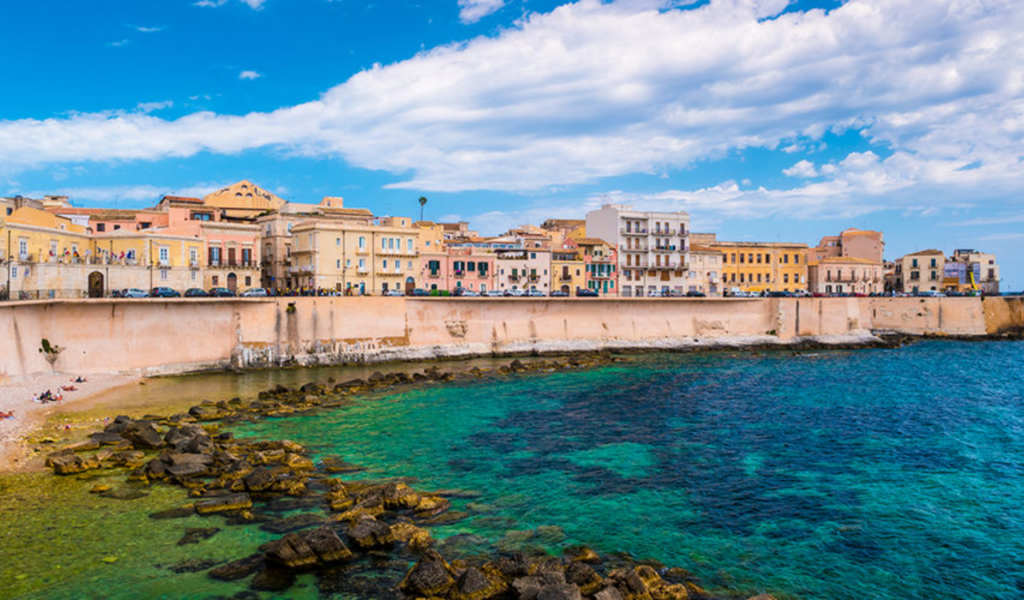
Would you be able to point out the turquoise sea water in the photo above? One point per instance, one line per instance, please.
(827, 474)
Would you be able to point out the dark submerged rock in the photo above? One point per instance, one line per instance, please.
(237, 569)
(430, 576)
(194, 535)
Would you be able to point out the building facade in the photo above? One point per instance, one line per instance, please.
(467, 268)
(920, 272)
(846, 275)
(523, 269)
(653, 247)
(705, 274)
(601, 266)
(356, 259)
(760, 267)
(970, 271)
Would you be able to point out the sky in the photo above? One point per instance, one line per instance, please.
(766, 120)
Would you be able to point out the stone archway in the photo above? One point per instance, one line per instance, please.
(233, 282)
(96, 288)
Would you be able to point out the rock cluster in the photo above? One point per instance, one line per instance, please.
(382, 524)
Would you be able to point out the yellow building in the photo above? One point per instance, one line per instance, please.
(568, 271)
(763, 266)
(48, 256)
(431, 237)
(356, 259)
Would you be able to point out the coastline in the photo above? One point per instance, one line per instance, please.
(31, 418)
(16, 452)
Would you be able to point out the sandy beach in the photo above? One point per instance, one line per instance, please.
(30, 417)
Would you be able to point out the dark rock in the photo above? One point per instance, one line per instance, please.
(173, 513)
(513, 566)
(156, 469)
(582, 554)
(327, 545)
(399, 495)
(291, 551)
(583, 576)
(473, 584)
(225, 503)
(292, 523)
(273, 580)
(193, 565)
(71, 464)
(608, 593)
(430, 576)
(559, 591)
(368, 532)
(237, 569)
(143, 435)
(194, 535)
(261, 478)
(447, 518)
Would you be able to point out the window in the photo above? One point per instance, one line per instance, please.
(348, 262)
(410, 264)
(758, 259)
(215, 280)
(785, 278)
(409, 244)
(338, 264)
(796, 258)
(165, 255)
(383, 243)
(116, 227)
(194, 273)
(193, 256)
(742, 258)
(385, 263)
(337, 241)
(362, 264)
(101, 227)
(362, 243)
(163, 274)
(533, 255)
(248, 280)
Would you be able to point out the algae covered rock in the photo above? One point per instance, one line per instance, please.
(224, 503)
(430, 576)
(72, 464)
(368, 532)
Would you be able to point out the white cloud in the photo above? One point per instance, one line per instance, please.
(594, 90)
(253, 4)
(471, 11)
(141, 195)
(249, 75)
(119, 43)
(142, 29)
(803, 169)
(148, 107)
(1001, 237)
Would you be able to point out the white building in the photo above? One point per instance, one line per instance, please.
(653, 248)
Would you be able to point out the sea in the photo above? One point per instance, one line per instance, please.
(879, 473)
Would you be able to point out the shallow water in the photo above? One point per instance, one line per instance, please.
(840, 474)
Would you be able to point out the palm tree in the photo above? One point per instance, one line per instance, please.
(423, 202)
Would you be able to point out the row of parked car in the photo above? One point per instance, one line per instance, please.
(516, 293)
(166, 292)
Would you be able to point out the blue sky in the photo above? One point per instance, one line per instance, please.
(766, 119)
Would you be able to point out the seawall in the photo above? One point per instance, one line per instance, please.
(174, 336)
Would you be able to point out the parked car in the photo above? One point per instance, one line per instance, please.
(196, 293)
(116, 293)
(464, 293)
(134, 293)
(586, 293)
(494, 294)
(780, 294)
(801, 294)
(420, 292)
(164, 292)
(559, 294)
(393, 293)
(220, 292)
(515, 293)
(695, 294)
(254, 293)
(535, 293)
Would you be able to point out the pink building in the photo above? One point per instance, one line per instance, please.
(601, 259)
(468, 268)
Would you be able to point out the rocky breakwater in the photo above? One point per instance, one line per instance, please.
(358, 538)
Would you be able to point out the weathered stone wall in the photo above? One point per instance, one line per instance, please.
(158, 336)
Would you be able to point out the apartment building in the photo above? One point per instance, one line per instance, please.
(523, 269)
(568, 268)
(356, 259)
(653, 247)
(920, 272)
(846, 275)
(468, 268)
(601, 266)
(49, 256)
(971, 271)
(705, 273)
(758, 267)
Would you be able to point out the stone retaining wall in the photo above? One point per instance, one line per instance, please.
(172, 336)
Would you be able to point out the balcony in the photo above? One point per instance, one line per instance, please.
(460, 275)
(565, 278)
(534, 278)
(634, 232)
(664, 232)
(513, 278)
(665, 248)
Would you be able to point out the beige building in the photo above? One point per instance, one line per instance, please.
(920, 272)
(276, 229)
(846, 275)
(852, 243)
(523, 269)
(705, 274)
(355, 258)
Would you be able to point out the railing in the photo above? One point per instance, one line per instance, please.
(513, 277)
(664, 232)
(664, 248)
(534, 278)
(565, 278)
(634, 231)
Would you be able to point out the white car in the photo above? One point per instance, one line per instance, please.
(394, 293)
(533, 293)
(468, 293)
(515, 293)
(494, 294)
